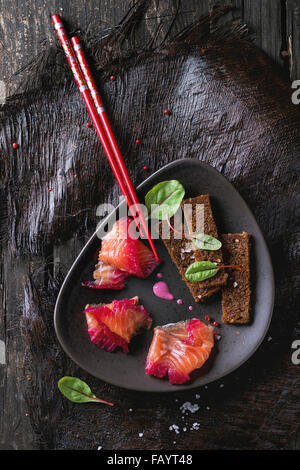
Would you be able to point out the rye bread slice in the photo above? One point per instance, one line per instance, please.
(202, 205)
(236, 294)
(182, 259)
(183, 252)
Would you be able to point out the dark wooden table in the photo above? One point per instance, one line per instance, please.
(276, 29)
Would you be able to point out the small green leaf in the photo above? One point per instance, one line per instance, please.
(77, 391)
(206, 242)
(164, 199)
(200, 271)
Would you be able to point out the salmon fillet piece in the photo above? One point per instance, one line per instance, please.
(114, 324)
(121, 249)
(179, 348)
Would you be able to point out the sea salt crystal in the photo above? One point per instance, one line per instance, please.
(187, 406)
(195, 426)
(197, 396)
(141, 434)
(221, 385)
(199, 296)
(235, 284)
(175, 428)
(208, 408)
(99, 447)
(184, 429)
(130, 409)
(270, 338)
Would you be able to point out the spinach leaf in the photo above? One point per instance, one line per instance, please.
(206, 242)
(78, 391)
(164, 199)
(201, 270)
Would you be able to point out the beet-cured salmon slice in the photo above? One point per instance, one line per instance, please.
(179, 348)
(121, 249)
(106, 277)
(101, 335)
(114, 324)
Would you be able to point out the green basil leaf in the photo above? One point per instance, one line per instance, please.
(77, 391)
(200, 271)
(164, 199)
(206, 242)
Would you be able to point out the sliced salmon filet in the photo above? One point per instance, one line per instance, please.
(106, 277)
(114, 324)
(121, 249)
(179, 348)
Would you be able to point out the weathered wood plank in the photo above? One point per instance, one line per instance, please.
(293, 37)
(20, 39)
(15, 427)
(264, 19)
(22, 33)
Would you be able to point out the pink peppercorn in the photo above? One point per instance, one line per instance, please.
(167, 112)
(215, 323)
(15, 145)
(112, 78)
(88, 124)
(146, 167)
(138, 142)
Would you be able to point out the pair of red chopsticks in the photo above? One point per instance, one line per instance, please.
(90, 94)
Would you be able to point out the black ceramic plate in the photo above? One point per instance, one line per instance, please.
(232, 215)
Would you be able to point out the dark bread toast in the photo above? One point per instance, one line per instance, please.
(182, 260)
(236, 294)
(183, 252)
(209, 228)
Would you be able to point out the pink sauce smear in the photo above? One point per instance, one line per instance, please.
(160, 289)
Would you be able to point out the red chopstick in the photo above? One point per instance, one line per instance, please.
(104, 131)
(77, 47)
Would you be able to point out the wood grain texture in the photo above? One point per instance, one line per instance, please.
(25, 26)
(230, 108)
(293, 37)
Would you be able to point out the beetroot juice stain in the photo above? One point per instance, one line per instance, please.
(161, 290)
